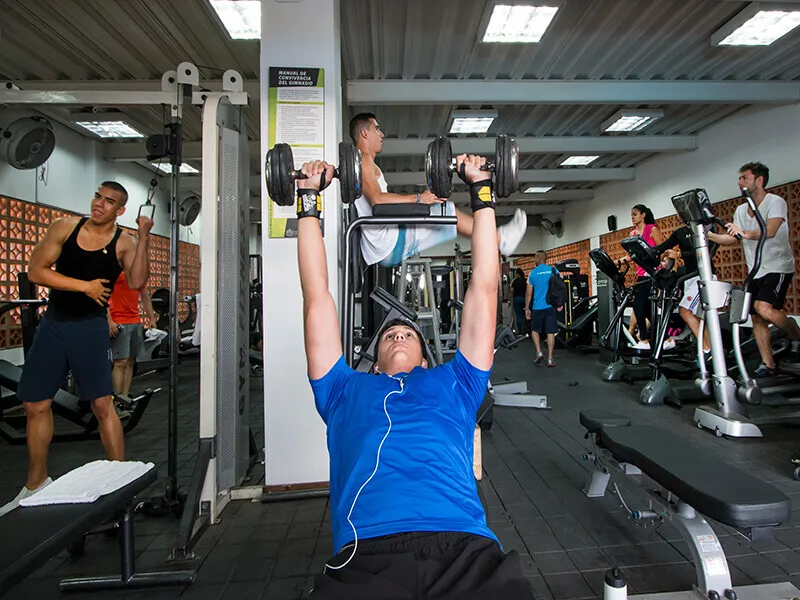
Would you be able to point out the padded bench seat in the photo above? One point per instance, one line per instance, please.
(711, 486)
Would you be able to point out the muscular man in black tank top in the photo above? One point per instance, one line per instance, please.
(79, 259)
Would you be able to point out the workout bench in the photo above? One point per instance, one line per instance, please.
(35, 534)
(682, 484)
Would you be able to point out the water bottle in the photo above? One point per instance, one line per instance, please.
(614, 586)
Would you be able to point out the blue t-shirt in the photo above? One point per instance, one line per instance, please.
(424, 480)
(539, 278)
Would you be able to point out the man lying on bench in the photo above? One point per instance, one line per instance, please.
(689, 484)
(404, 505)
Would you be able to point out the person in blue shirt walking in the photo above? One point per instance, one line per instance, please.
(543, 318)
(407, 521)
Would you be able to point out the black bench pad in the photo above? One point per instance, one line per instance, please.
(401, 210)
(594, 420)
(711, 486)
(34, 534)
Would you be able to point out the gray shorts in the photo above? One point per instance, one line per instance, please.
(128, 341)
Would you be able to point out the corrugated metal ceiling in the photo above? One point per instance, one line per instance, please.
(411, 39)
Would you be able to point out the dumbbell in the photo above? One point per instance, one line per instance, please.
(281, 174)
(440, 166)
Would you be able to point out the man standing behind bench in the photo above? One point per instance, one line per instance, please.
(88, 254)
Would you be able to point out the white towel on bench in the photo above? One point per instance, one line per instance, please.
(88, 483)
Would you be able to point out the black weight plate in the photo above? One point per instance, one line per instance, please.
(349, 172)
(438, 165)
(285, 167)
(269, 164)
(160, 300)
(506, 166)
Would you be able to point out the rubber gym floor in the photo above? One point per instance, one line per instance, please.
(533, 475)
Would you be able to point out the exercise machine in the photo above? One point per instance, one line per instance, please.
(665, 295)
(65, 405)
(660, 478)
(578, 320)
(614, 297)
(736, 413)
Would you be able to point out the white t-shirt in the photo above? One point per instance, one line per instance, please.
(377, 241)
(777, 255)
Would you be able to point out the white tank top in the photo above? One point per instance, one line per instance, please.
(377, 241)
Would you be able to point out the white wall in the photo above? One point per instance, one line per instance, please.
(769, 135)
(71, 176)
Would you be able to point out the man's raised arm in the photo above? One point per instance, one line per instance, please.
(321, 324)
(479, 315)
(373, 192)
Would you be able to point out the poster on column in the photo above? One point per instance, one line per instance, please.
(297, 118)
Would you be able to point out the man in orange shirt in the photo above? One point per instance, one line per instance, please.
(126, 331)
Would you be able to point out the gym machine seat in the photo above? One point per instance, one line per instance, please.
(683, 484)
(41, 532)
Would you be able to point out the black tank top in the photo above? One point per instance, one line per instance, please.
(83, 264)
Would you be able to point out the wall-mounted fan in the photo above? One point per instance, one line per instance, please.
(188, 210)
(27, 143)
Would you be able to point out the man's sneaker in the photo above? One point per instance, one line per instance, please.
(511, 233)
(763, 371)
(539, 358)
(23, 494)
(551, 362)
(668, 344)
(644, 345)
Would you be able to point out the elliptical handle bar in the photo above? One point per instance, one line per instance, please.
(762, 227)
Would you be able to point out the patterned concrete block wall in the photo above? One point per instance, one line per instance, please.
(22, 225)
(578, 250)
(729, 261)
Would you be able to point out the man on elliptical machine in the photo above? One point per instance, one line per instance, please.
(773, 279)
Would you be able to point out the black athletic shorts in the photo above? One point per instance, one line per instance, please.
(545, 320)
(444, 565)
(772, 288)
(83, 347)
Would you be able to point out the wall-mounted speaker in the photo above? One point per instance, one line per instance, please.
(612, 223)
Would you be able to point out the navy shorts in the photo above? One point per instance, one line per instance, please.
(545, 320)
(83, 347)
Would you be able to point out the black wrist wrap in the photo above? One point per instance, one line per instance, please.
(481, 195)
(309, 203)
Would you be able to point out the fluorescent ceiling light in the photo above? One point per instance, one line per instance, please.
(518, 23)
(167, 168)
(578, 161)
(110, 129)
(242, 18)
(631, 120)
(760, 24)
(538, 189)
(472, 121)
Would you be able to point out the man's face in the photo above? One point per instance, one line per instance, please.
(375, 136)
(749, 181)
(399, 343)
(107, 205)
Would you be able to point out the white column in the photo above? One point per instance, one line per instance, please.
(296, 34)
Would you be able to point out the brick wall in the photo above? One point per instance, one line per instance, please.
(577, 250)
(22, 225)
(729, 261)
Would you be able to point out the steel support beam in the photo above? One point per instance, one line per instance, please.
(566, 175)
(101, 86)
(550, 145)
(461, 91)
(136, 151)
(462, 198)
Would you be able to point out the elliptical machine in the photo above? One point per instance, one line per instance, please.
(732, 415)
